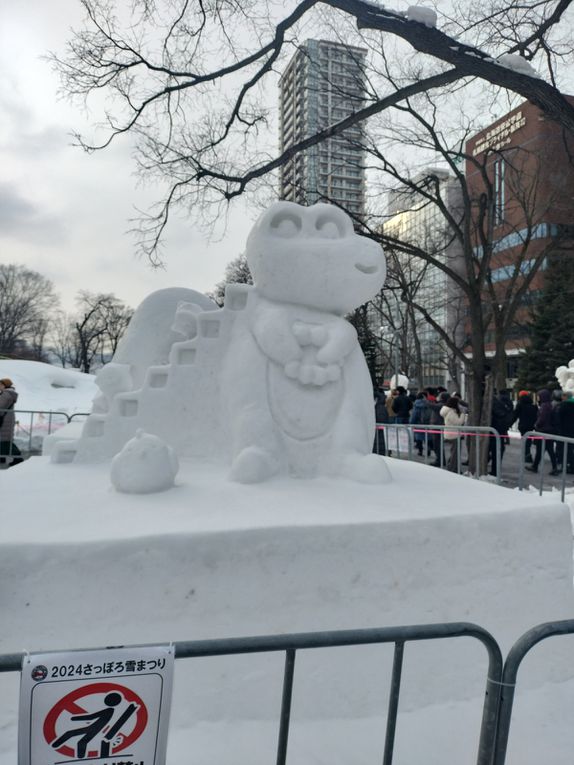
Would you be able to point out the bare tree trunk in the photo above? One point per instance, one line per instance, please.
(486, 420)
(500, 361)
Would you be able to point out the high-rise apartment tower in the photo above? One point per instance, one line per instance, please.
(323, 83)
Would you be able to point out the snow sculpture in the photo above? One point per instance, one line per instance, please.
(111, 379)
(565, 376)
(275, 381)
(146, 464)
(399, 380)
(306, 403)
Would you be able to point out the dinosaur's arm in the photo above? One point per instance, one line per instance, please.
(272, 329)
(340, 341)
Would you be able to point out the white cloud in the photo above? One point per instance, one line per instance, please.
(65, 213)
(20, 219)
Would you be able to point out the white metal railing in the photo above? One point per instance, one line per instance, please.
(545, 443)
(400, 443)
(32, 426)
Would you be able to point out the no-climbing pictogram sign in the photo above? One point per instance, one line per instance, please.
(96, 706)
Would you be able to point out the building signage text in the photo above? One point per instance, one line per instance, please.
(499, 136)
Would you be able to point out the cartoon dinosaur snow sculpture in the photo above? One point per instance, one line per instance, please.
(275, 381)
(296, 385)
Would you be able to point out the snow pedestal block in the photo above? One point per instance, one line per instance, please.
(81, 565)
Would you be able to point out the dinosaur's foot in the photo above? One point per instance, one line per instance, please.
(366, 468)
(253, 465)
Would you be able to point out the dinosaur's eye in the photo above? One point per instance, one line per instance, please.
(329, 227)
(286, 225)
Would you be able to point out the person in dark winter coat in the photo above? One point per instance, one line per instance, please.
(506, 401)
(566, 424)
(501, 420)
(381, 418)
(401, 406)
(9, 452)
(525, 413)
(545, 423)
(420, 415)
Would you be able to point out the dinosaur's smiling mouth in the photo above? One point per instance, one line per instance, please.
(366, 269)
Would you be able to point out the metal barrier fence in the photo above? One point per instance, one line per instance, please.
(510, 672)
(290, 644)
(546, 443)
(500, 678)
(31, 427)
(400, 440)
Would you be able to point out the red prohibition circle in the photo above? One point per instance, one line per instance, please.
(68, 704)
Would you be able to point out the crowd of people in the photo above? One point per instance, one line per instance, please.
(428, 408)
(548, 413)
(553, 415)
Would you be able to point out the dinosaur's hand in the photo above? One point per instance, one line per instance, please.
(341, 339)
(312, 374)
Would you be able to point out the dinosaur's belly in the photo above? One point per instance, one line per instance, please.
(302, 411)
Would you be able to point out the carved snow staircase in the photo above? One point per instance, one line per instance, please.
(179, 401)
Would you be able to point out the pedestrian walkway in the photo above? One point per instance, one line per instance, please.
(511, 469)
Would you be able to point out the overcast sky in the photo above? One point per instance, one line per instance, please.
(64, 213)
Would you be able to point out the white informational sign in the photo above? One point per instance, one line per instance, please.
(103, 706)
(397, 440)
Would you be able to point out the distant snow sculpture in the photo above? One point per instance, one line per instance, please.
(275, 381)
(399, 380)
(565, 376)
(146, 464)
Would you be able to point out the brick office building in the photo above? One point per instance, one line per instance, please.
(520, 176)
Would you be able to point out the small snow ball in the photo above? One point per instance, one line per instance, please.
(146, 464)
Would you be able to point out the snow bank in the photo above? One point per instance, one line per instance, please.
(43, 387)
